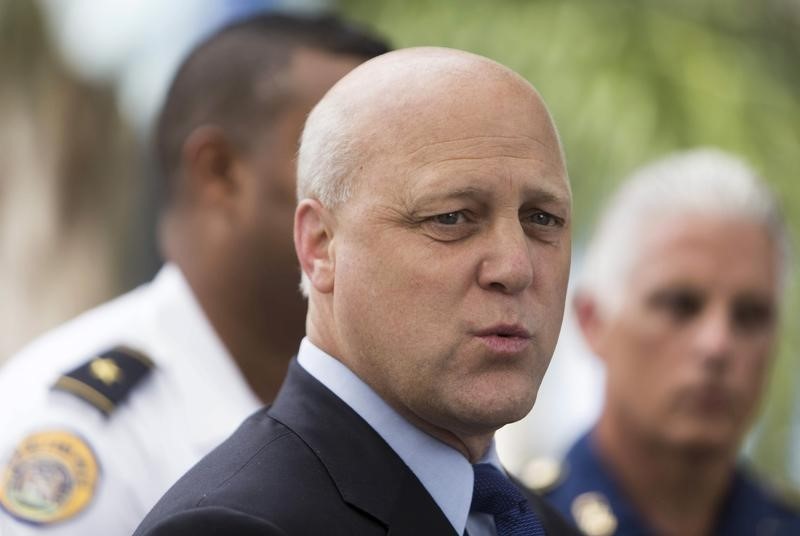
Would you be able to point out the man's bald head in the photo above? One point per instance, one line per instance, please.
(403, 96)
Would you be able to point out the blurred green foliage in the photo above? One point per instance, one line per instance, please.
(629, 80)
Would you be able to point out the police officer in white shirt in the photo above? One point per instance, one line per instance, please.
(102, 414)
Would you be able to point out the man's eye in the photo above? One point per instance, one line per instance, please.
(750, 315)
(449, 218)
(451, 226)
(681, 304)
(545, 219)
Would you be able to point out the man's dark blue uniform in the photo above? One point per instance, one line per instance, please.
(588, 489)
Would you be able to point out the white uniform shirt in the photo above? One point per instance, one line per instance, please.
(192, 399)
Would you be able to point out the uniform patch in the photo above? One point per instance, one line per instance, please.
(51, 476)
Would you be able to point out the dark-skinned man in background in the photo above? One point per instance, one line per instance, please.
(110, 408)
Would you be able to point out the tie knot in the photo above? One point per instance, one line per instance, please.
(494, 493)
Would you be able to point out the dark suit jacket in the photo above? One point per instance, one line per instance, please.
(307, 465)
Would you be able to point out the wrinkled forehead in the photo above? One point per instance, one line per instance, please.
(464, 136)
(484, 167)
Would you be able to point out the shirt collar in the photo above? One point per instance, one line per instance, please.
(444, 472)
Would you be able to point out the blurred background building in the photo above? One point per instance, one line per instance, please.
(627, 80)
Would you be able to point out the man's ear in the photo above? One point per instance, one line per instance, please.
(209, 163)
(591, 321)
(313, 241)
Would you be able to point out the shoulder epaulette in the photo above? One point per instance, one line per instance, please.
(107, 379)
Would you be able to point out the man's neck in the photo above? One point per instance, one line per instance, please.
(473, 447)
(675, 491)
(261, 336)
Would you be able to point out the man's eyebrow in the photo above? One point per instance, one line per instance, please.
(532, 195)
(471, 192)
(547, 195)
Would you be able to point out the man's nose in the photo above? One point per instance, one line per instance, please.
(507, 264)
(714, 337)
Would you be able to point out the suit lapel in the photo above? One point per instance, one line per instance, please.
(415, 511)
(370, 476)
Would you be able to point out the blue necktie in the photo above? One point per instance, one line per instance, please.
(496, 495)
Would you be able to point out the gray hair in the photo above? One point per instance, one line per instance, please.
(325, 161)
(705, 181)
(326, 155)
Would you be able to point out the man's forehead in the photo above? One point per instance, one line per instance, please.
(701, 227)
(453, 143)
(679, 245)
(549, 190)
(468, 172)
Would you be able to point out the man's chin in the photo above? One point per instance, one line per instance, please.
(492, 417)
